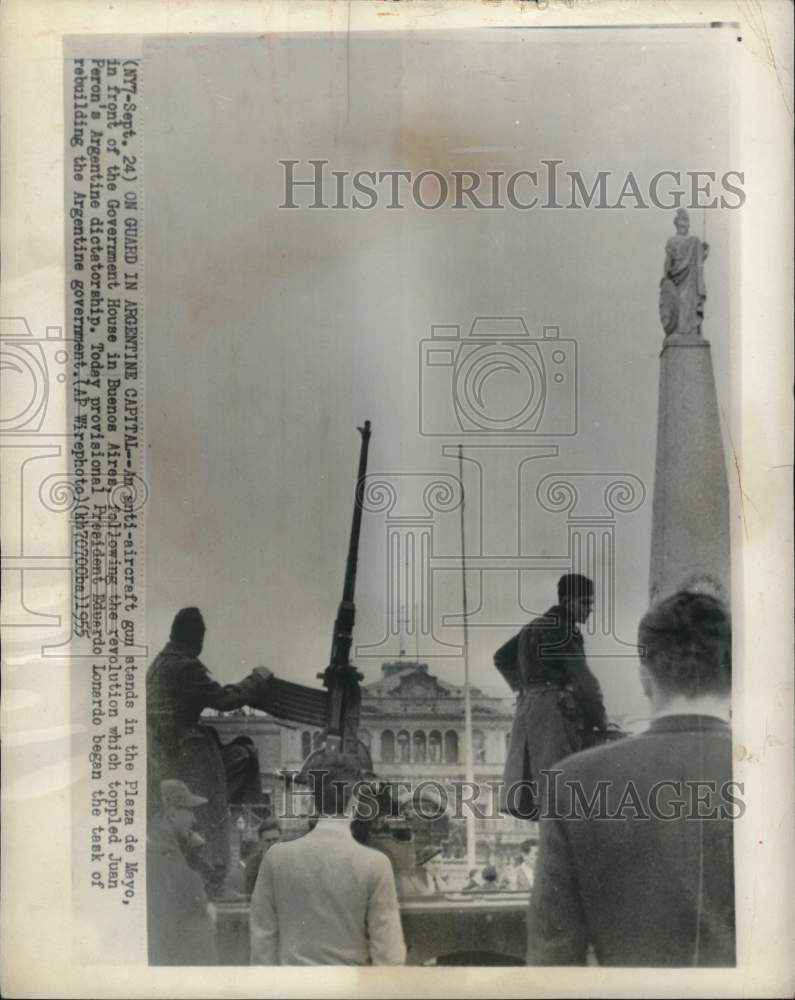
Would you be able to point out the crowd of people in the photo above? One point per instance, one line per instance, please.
(630, 888)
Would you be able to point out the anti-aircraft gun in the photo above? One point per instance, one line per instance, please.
(391, 827)
(335, 710)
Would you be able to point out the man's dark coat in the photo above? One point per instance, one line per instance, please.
(641, 890)
(559, 703)
(178, 689)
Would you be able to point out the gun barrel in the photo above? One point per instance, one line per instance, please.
(339, 677)
(356, 522)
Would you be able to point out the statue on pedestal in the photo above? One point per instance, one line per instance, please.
(682, 289)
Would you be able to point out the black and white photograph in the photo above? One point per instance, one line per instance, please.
(525, 314)
(392, 514)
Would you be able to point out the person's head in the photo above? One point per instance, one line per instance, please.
(188, 629)
(685, 648)
(489, 874)
(178, 803)
(525, 847)
(575, 594)
(269, 833)
(430, 860)
(435, 865)
(682, 221)
(332, 779)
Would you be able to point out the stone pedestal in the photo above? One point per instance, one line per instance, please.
(690, 519)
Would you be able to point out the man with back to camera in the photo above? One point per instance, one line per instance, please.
(560, 703)
(636, 855)
(326, 899)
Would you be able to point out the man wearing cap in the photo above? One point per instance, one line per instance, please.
(636, 856)
(326, 899)
(427, 878)
(560, 703)
(181, 930)
(178, 689)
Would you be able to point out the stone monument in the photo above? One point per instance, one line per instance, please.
(690, 514)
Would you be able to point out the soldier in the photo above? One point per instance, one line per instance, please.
(560, 705)
(178, 688)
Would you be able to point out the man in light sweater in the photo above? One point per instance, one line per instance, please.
(326, 899)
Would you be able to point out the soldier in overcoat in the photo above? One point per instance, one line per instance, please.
(178, 689)
(560, 708)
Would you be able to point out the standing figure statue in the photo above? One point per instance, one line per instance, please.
(682, 289)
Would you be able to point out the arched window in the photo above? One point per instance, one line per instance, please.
(365, 737)
(450, 747)
(435, 746)
(478, 746)
(404, 746)
(317, 740)
(388, 746)
(420, 747)
(306, 743)
(507, 742)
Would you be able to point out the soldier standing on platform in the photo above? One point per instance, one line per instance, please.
(560, 705)
(178, 689)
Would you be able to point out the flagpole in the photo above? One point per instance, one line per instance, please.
(468, 756)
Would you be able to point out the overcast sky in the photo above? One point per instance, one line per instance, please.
(271, 333)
